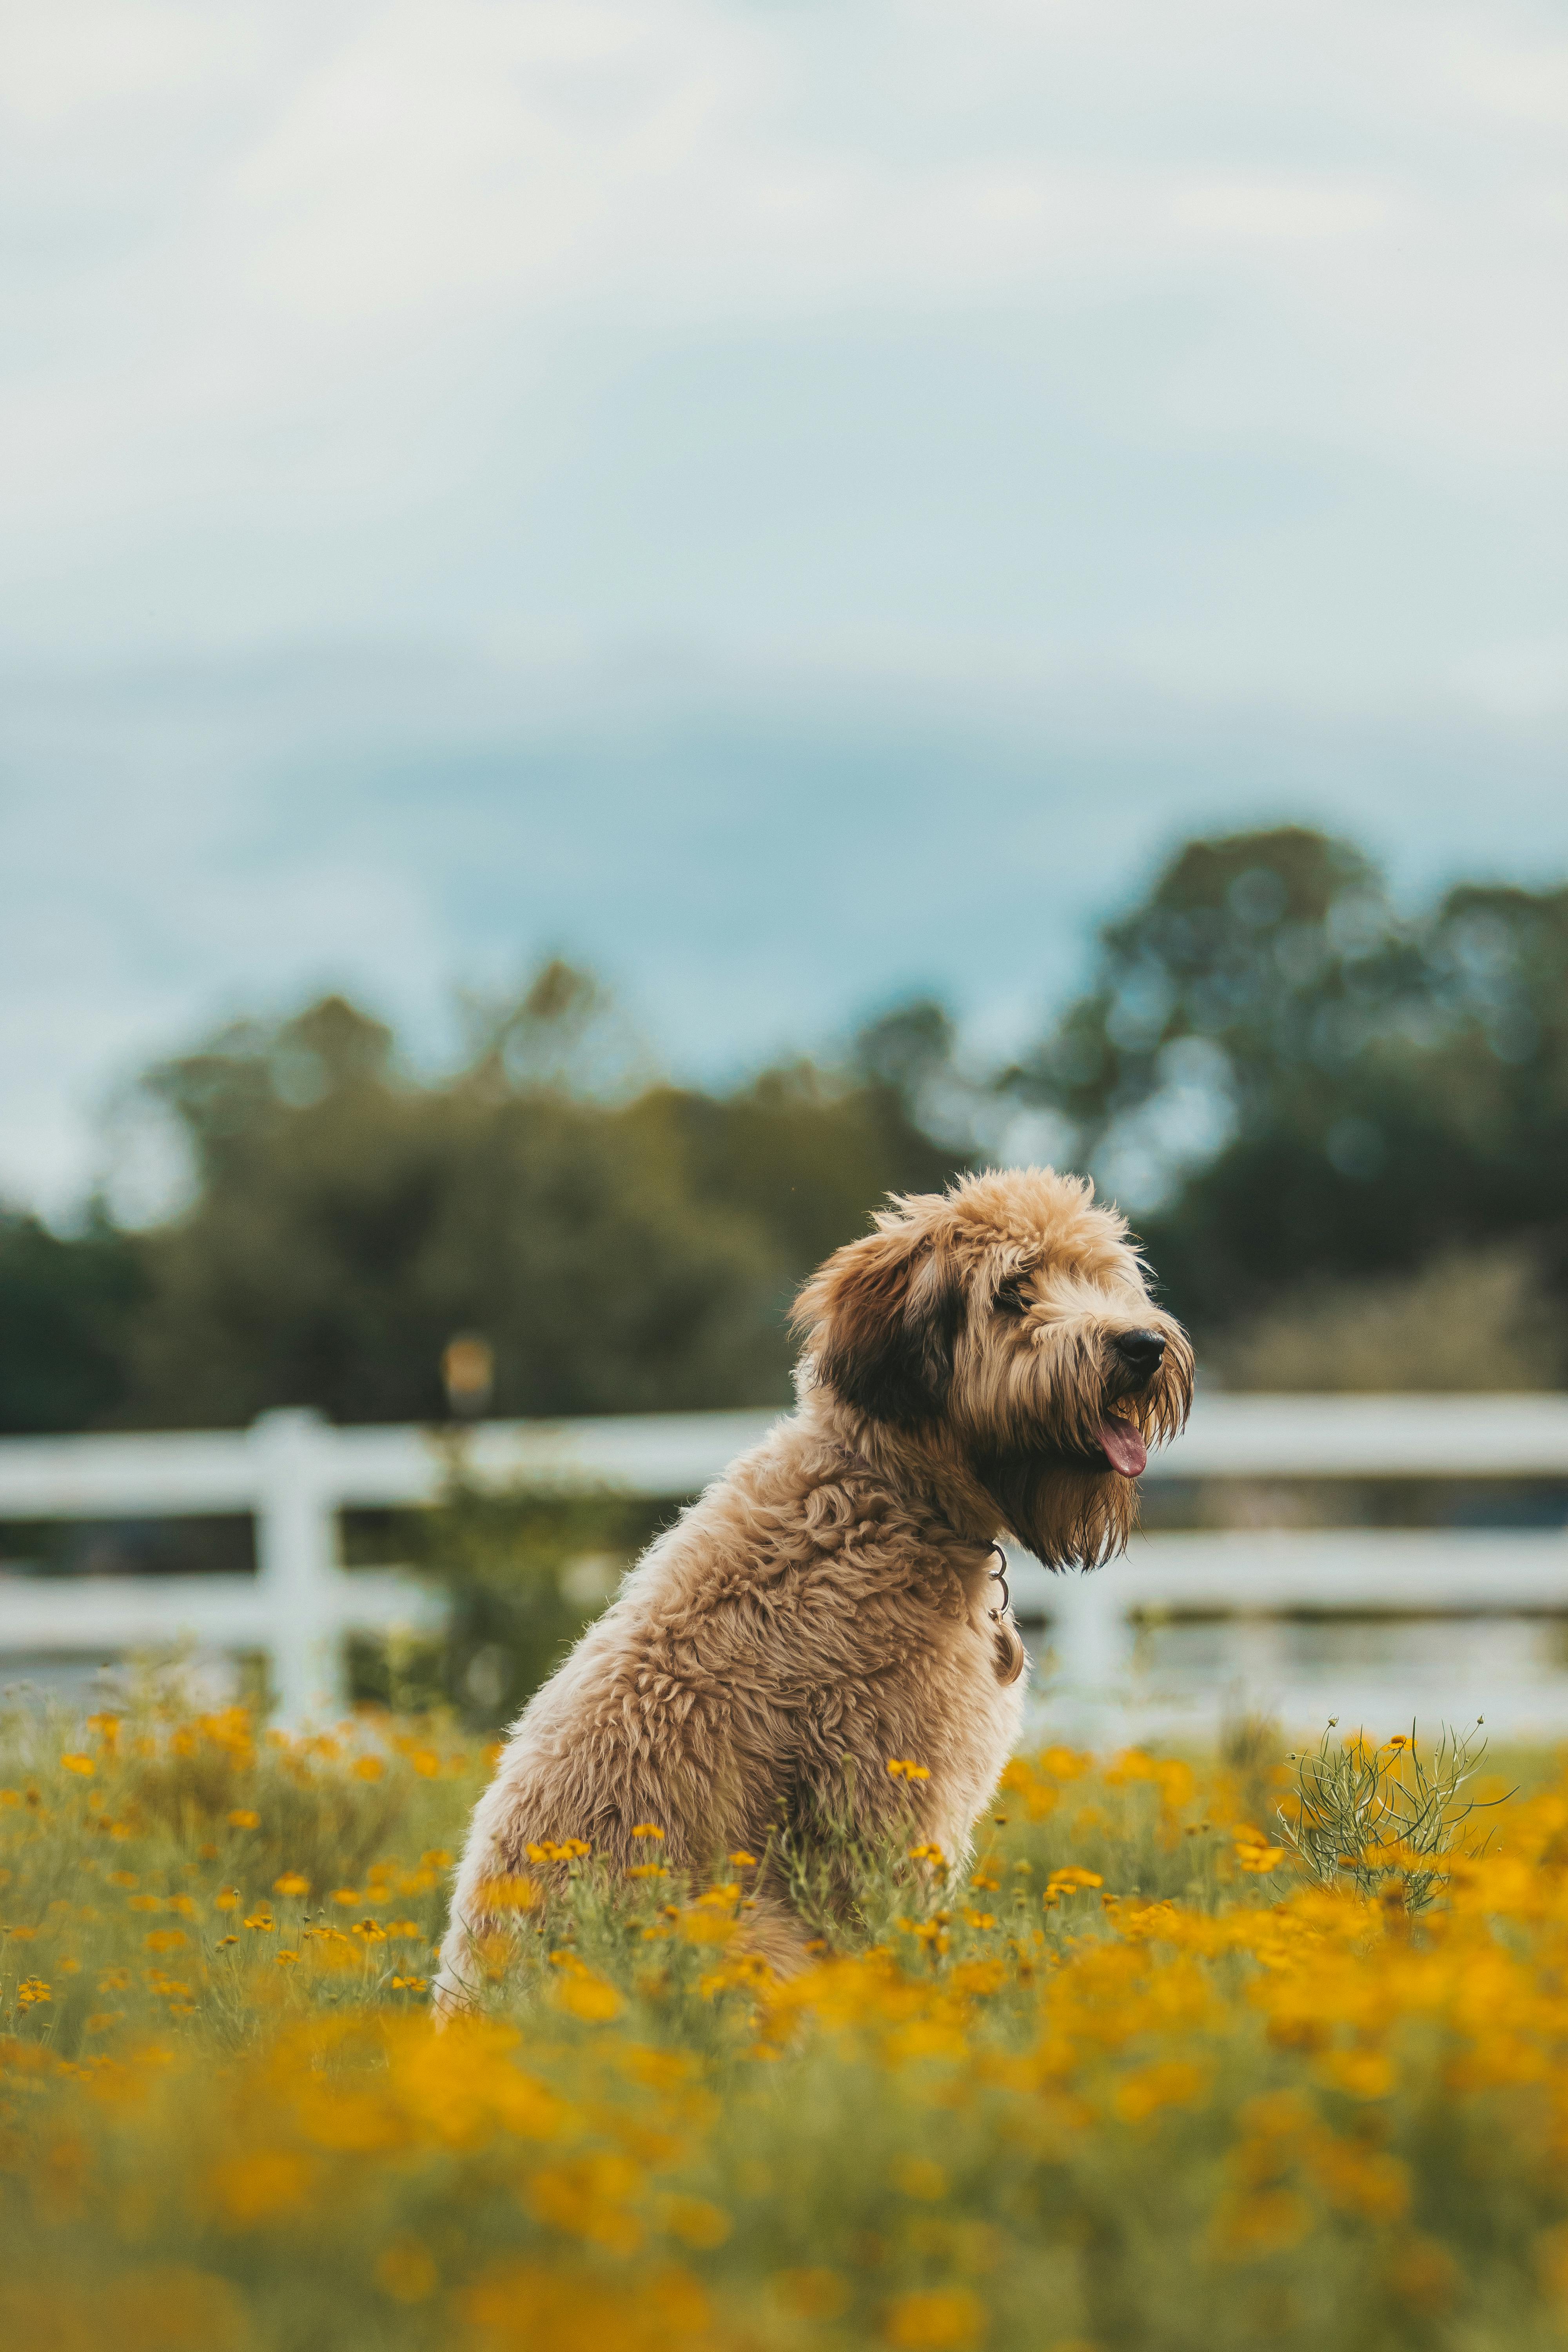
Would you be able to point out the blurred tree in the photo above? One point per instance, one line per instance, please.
(807, 1154)
(1472, 1318)
(1286, 1078)
(619, 1247)
(65, 1309)
(348, 1221)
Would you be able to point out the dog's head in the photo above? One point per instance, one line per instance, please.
(1008, 1322)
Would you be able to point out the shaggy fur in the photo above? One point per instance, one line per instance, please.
(972, 1367)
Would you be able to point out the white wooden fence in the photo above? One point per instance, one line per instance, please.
(296, 1474)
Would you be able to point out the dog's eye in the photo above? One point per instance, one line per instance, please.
(1012, 1296)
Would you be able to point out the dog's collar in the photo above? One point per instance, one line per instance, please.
(999, 1576)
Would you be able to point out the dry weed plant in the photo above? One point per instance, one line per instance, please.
(1387, 1817)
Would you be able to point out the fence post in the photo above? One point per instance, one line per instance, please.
(296, 1546)
(1094, 1645)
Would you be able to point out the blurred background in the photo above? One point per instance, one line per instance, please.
(623, 629)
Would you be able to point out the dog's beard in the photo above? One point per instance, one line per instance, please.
(1068, 1514)
(1065, 1477)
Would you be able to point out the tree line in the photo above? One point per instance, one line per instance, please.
(1301, 1090)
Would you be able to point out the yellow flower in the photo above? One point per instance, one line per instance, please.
(582, 1993)
(900, 1768)
(745, 1861)
(1169, 2083)
(242, 1818)
(83, 1765)
(1253, 1851)
(291, 1883)
(1362, 2073)
(512, 1893)
(696, 2223)
(938, 2320)
(589, 2196)
(697, 1927)
(262, 2185)
(647, 1829)
(284, 1959)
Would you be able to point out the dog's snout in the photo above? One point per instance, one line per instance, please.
(1141, 1352)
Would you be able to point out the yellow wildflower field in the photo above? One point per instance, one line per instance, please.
(1129, 2079)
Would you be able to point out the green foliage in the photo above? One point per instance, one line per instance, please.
(65, 1309)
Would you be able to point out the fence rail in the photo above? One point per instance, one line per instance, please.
(295, 1474)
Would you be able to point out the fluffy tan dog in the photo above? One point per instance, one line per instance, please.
(987, 1361)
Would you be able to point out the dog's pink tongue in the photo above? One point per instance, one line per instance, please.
(1124, 1448)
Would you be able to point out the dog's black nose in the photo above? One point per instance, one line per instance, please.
(1141, 1352)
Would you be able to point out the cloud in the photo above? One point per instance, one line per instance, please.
(485, 474)
(258, 218)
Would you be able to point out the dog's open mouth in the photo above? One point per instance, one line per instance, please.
(1122, 1445)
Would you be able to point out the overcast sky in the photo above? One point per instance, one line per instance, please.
(788, 502)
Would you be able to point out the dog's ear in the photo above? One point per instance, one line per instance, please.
(881, 1318)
